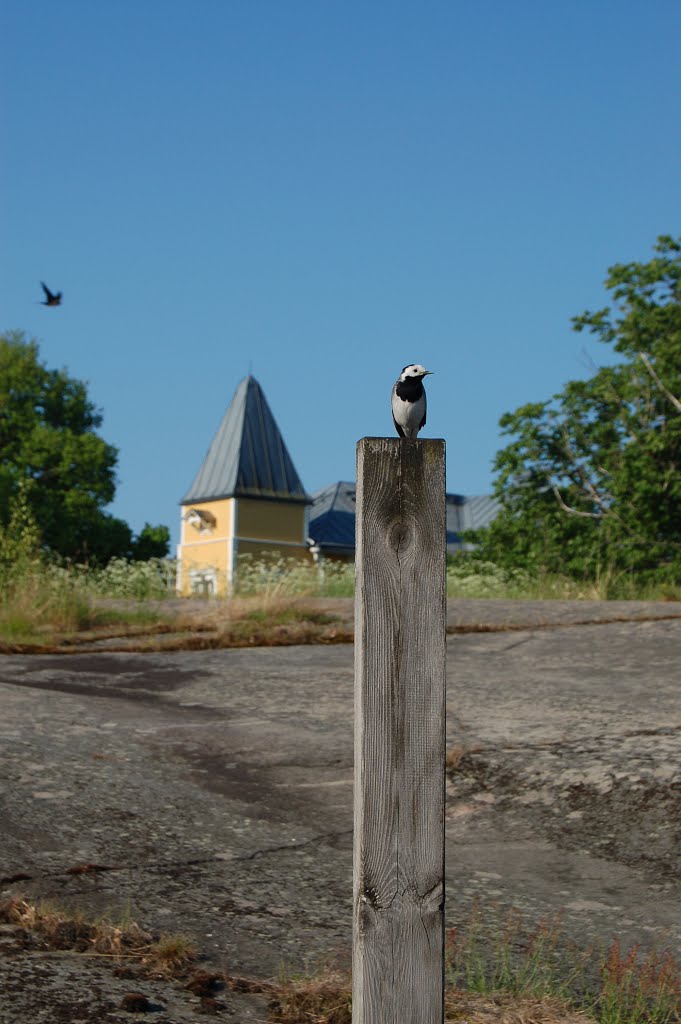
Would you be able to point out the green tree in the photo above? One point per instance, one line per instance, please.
(51, 452)
(591, 477)
(151, 542)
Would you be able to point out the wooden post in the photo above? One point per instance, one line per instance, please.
(400, 604)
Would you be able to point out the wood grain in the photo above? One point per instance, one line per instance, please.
(398, 928)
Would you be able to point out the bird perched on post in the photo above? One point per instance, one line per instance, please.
(51, 298)
(409, 400)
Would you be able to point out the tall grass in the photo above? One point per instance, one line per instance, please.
(35, 603)
(501, 970)
(292, 577)
(488, 954)
(467, 577)
(638, 987)
(39, 599)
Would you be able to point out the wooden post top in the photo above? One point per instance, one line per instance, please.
(373, 441)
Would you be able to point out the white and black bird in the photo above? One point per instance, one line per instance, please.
(409, 400)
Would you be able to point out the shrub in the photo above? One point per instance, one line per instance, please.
(292, 577)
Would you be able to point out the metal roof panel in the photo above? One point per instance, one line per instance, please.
(248, 456)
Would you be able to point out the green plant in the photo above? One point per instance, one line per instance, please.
(289, 577)
(506, 955)
(589, 482)
(638, 987)
(19, 541)
(39, 598)
(488, 954)
(153, 579)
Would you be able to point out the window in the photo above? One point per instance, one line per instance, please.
(201, 520)
(203, 582)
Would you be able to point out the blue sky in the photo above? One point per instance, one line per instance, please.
(321, 192)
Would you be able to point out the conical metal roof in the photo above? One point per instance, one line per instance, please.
(247, 457)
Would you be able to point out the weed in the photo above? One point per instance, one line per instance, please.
(252, 621)
(40, 601)
(319, 999)
(292, 577)
(54, 928)
(638, 987)
(491, 956)
(171, 953)
(499, 970)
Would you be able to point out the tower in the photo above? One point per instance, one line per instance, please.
(246, 498)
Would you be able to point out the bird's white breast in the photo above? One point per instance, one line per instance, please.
(409, 414)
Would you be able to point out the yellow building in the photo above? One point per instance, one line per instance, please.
(246, 498)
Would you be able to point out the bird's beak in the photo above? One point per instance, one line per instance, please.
(428, 372)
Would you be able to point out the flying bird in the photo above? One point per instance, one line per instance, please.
(51, 298)
(409, 400)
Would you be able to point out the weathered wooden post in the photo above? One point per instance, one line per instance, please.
(398, 926)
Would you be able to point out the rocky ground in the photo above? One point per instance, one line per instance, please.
(210, 794)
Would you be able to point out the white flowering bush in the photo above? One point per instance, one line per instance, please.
(153, 579)
(293, 577)
(138, 581)
(467, 577)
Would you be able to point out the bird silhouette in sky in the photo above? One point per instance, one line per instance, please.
(51, 298)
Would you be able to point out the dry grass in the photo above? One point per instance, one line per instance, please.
(239, 622)
(266, 622)
(171, 954)
(520, 627)
(505, 972)
(326, 999)
(322, 999)
(534, 969)
(31, 612)
(511, 975)
(252, 621)
(49, 610)
(46, 926)
(507, 1008)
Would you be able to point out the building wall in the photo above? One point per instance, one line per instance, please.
(270, 520)
(243, 526)
(221, 510)
(270, 529)
(261, 550)
(205, 555)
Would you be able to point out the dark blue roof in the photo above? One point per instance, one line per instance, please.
(332, 516)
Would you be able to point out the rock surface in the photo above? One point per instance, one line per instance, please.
(212, 791)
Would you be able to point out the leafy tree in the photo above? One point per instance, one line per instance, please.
(152, 542)
(50, 451)
(591, 479)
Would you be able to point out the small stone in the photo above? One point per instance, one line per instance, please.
(135, 1002)
(203, 983)
(210, 1005)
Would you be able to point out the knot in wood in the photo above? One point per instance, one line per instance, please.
(400, 538)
